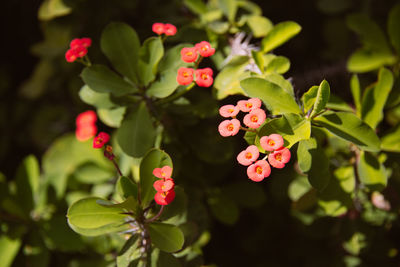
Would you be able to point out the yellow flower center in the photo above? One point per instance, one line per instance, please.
(259, 170)
(248, 155)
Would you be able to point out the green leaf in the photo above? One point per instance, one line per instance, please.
(319, 174)
(27, 183)
(136, 134)
(130, 204)
(308, 98)
(103, 80)
(345, 175)
(129, 252)
(291, 127)
(280, 81)
(112, 117)
(8, 250)
(50, 9)
(196, 6)
(364, 60)
(251, 7)
(394, 26)
(150, 55)
(356, 92)
(321, 99)
(163, 259)
(91, 97)
(349, 127)
(304, 154)
(278, 64)
(372, 173)
(227, 82)
(90, 173)
(223, 209)
(277, 100)
(229, 8)
(171, 61)
(89, 218)
(281, 33)
(298, 188)
(165, 86)
(155, 158)
(375, 98)
(258, 59)
(259, 25)
(120, 43)
(371, 35)
(391, 141)
(339, 104)
(166, 237)
(126, 188)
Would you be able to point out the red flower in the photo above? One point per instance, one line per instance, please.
(71, 55)
(85, 118)
(100, 140)
(163, 173)
(164, 198)
(164, 185)
(78, 48)
(204, 77)
(85, 132)
(205, 49)
(75, 43)
(158, 28)
(86, 42)
(169, 29)
(189, 54)
(185, 76)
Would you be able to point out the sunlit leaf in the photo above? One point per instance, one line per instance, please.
(166, 237)
(281, 33)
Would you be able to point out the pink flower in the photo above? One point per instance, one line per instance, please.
(228, 111)
(164, 185)
(189, 54)
(185, 76)
(272, 142)
(164, 172)
(100, 140)
(205, 49)
(169, 29)
(70, 55)
(258, 171)
(255, 118)
(229, 127)
(204, 77)
(85, 118)
(248, 156)
(249, 105)
(85, 132)
(279, 158)
(158, 28)
(164, 198)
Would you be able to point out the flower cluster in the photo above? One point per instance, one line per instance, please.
(78, 49)
(165, 186)
(101, 139)
(277, 154)
(204, 77)
(161, 28)
(86, 125)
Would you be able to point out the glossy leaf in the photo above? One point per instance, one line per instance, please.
(166, 237)
(391, 141)
(229, 8)
(165, 86)
(277, 100)
(112, 117)
(258, 59)
(356, 92)
(91, 173)
(278, 64)
(136, 134)
(336, 103)
(120, 43)
(350, 128)
(196, 6)
(103, 80)
(375, 98)
(9, 248)
(150, 55)
(304, 154)
(91, 97)
(281, 33)
(129, 252)
(172, 61)
(308, 98)
(155, 158)
(364, 60)
(319, 174)
(394, 26)
(87, 217)
(372, 173)
(280, 81)
(321, 98)
(163, 259)
(126, 187)
(291, 127)
(259, 25)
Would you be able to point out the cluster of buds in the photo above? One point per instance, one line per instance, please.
(161, 28)
(277, 154)
(165, 186)
(86, 125)
(204, 77)
(77, 49)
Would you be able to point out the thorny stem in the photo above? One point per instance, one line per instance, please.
(356, 201)
(117, 167)
(156, 216)
(248, 129)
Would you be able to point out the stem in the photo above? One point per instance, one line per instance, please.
(157, 216)
(356, 201)
(117, 167)
(248, 129)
